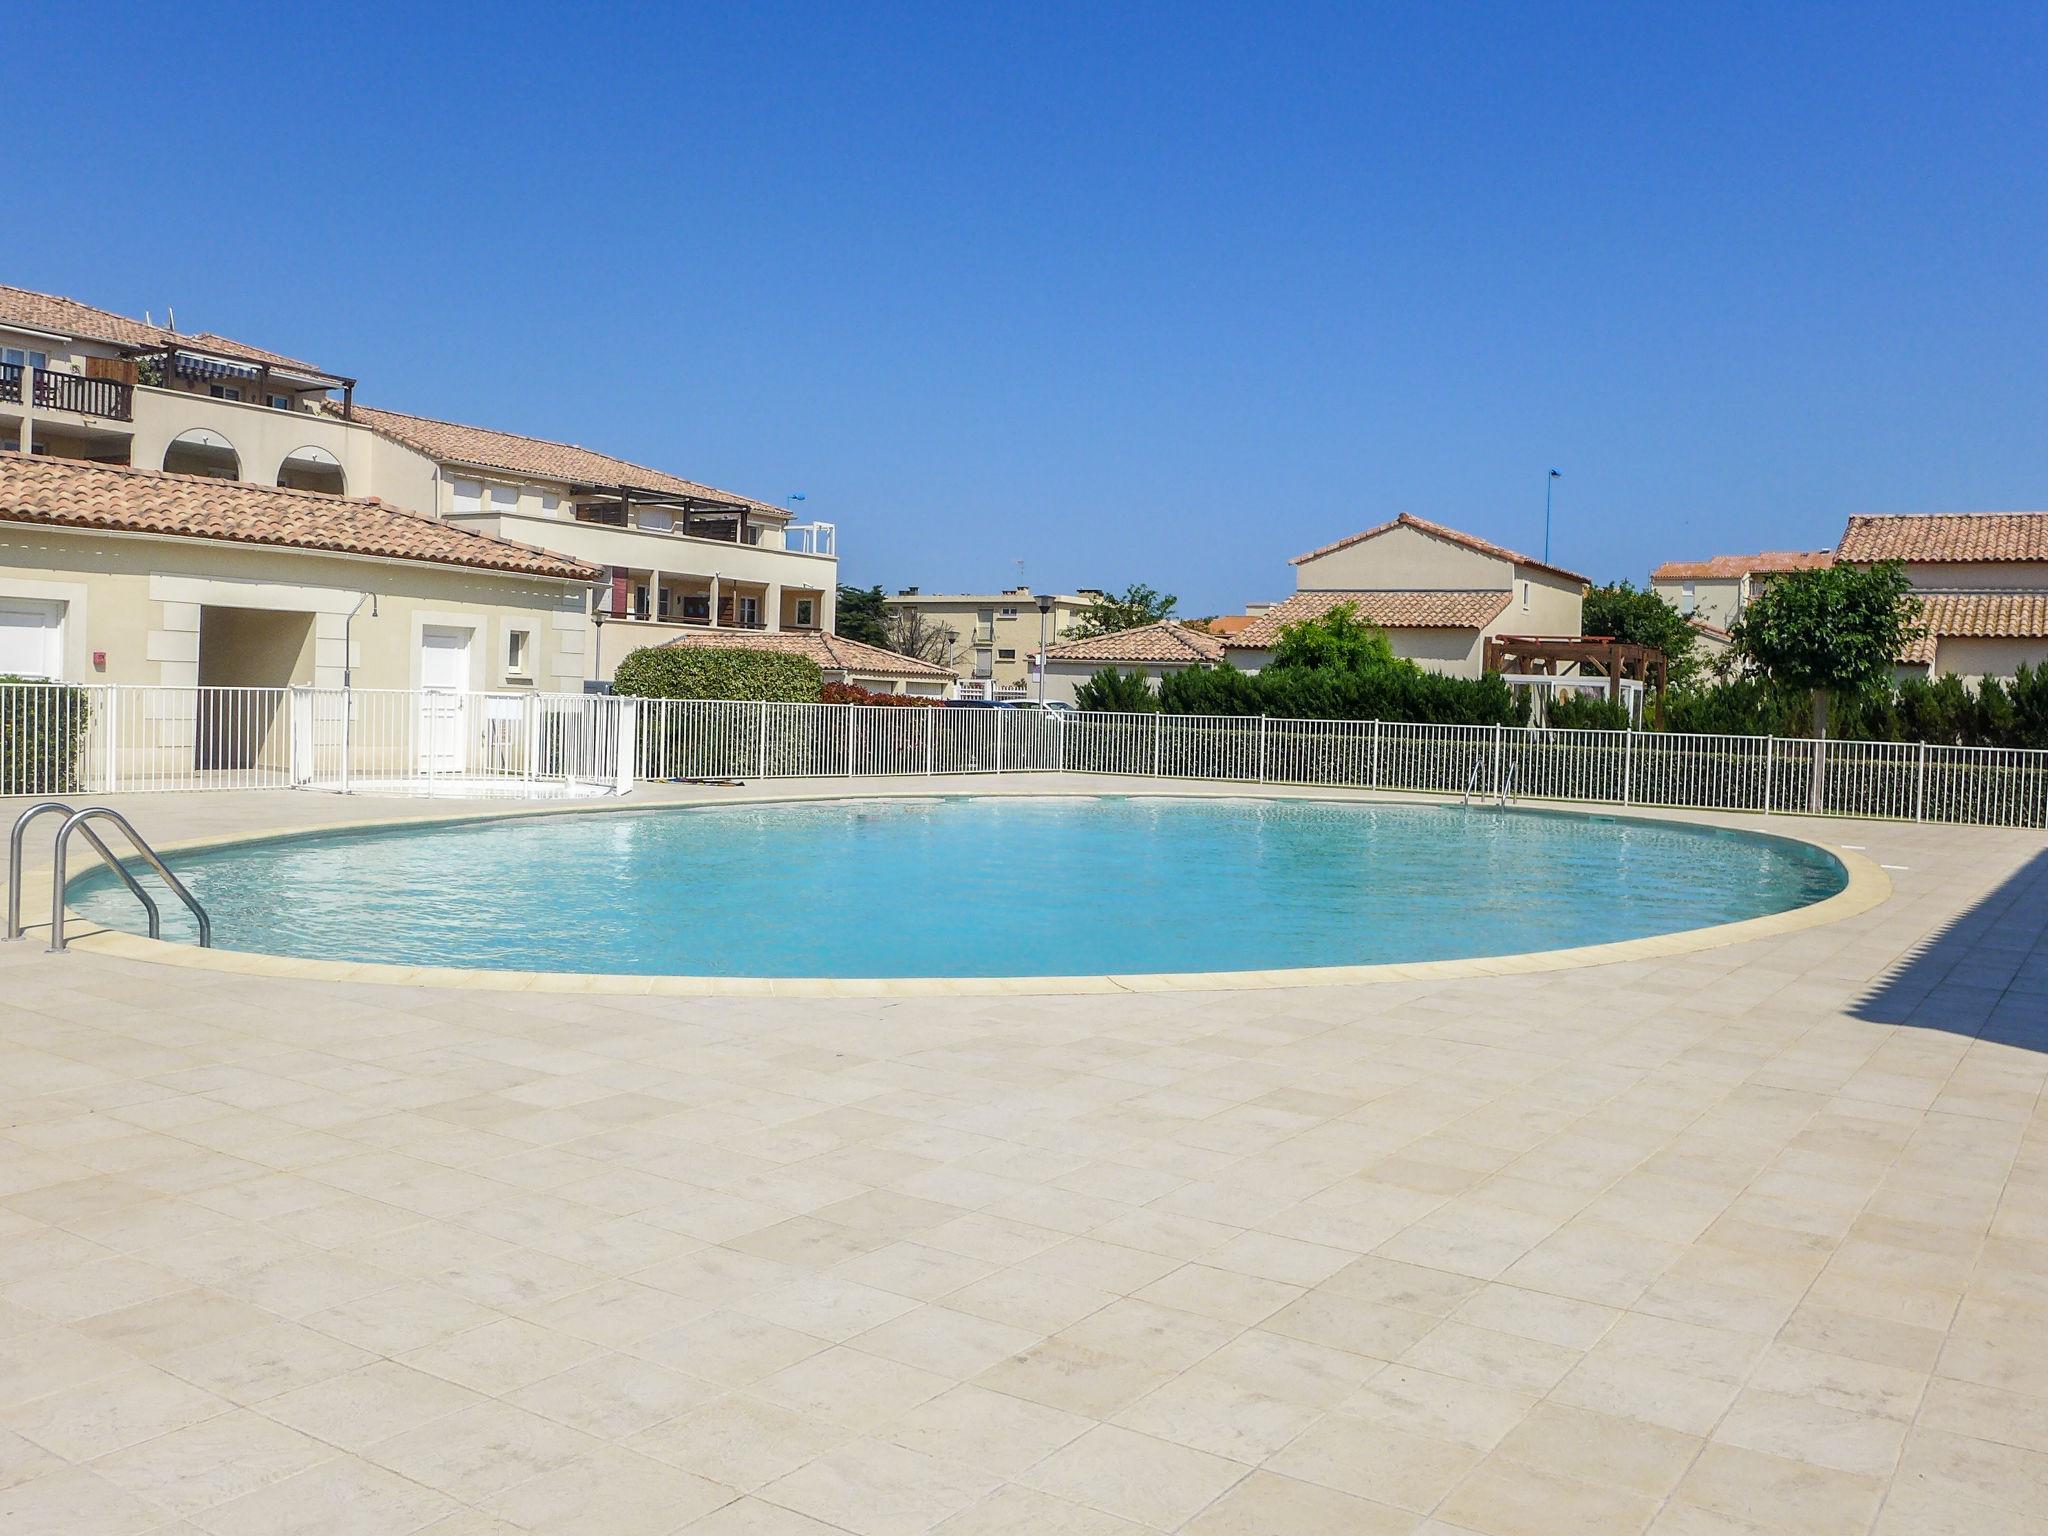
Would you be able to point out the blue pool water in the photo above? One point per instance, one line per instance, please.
(982, 887)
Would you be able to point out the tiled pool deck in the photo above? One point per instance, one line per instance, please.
(1753, 1238)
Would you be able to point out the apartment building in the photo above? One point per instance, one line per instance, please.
(673, 556)
(995, 633)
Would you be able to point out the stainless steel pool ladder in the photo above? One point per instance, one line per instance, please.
(1472, 778)
(1507, 783)
(81, 821)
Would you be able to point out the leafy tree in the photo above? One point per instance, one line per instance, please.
(1118, 692)
(862, 613)
(1337, 638)
(909, 633)
(1834, 631)
(1110, 614)
(1636, 616)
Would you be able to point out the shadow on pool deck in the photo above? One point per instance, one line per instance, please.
(1983, 973)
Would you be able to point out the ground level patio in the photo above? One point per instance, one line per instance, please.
(1750, 1239)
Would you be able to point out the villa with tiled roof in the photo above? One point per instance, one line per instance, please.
(1715, 591)
(82, 384)
(841, 660)
(1150, 651)
(1440, 594)
(1982, 581)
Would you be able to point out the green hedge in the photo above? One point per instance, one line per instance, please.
(1392, 690)
(707, 672)
(42, 736)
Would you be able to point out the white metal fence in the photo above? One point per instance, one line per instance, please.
(58, 738)
(102, 739)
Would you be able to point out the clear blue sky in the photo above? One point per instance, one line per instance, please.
(1165, 294)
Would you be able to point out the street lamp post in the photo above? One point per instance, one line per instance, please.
(1044, 619)
(1547, 484)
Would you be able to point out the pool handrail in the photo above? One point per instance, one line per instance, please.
(80, 821)
(15, 839)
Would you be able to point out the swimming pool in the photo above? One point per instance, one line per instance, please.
(981, 886)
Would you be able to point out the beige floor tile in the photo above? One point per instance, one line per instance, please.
(411, 1315)
(1015, 1508)
(1066, 1375)
(1384, 1465)
(614, 1395)
(1134, 1476)
(205, 1464)
(21, 1459)
(501, 1356)
(756, 1517)
(343, 1497)
(264, 1362)
(1628, 1387)
(1267, 1504)
(1780, 1495)
(74, 1502)
(1986, 1413)
(1597, 1448)
(481, 1450)
(80, 1423)
(739, 1440)
(1440, 1407)
(1222, 1294)
(360, 1408)
(937, 1338)
(913, 1269)
(873, 1488)
(1351, 1323)
(858, 1391)
(1557, 1320)
(609, 1490)
(992, 1431)
(1511, 1498)
(730, 1348)
(1155, 1335)
(1975, 1471)
(1293, 1370)
(1803, 1429)
(1491, 1359)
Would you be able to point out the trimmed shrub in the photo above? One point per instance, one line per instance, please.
(709, 672)
(42, 736)
(1120, 693)
(853, 693)
(1572, 710)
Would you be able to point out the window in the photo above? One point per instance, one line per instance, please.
(806, 612)
(640, 600)
(278, 402)
(1688, 599)
(1525, 597)
(550, 503)
(656, 520)
(986, 616)
(225, 391)
(697, 605)
(1009, 613)
(24, 359)
(518, 652)
(469, 495)
(750, 612)
(504, 498)
(661, 595)
(1006, 654)
(31, 637)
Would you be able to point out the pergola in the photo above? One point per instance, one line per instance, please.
(1550, 656)
(615, 505)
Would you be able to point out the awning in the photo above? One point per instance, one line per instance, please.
(196, 367)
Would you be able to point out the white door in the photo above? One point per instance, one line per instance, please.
(31, 638)
(444, 701)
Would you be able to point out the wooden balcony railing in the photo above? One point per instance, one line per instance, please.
(92, 397)
(10, 382)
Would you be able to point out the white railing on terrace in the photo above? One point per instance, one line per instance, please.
(105, 739)
(58, 739)
(811, 538)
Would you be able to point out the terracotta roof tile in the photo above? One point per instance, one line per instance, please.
(1772, 562)
(1389, 610)
(65, 493)
(1951, 537)
(835, 653)
(1167, 641)
(1977, 616)
(1438, 530)
(486, 448)
(68, 317)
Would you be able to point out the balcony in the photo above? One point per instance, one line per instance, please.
(10, 383)
(811, 539)
(110, 398)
